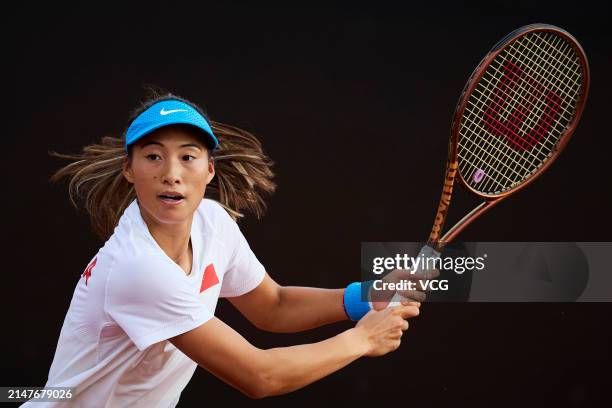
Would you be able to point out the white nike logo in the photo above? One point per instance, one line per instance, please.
(167, 112)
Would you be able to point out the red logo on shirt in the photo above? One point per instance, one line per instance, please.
(209, 279)
(88, 270)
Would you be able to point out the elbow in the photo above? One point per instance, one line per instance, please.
(262, 385)
(272, 328)
(272, 325)
(254, 394)
(263, 325)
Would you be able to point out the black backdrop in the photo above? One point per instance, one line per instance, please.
(353, 103)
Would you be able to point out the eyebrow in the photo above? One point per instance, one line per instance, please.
(155, 142)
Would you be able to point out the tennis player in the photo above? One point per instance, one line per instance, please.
(142, 318)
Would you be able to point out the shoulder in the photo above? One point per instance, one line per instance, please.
(217, 224)
(214, 209)
(215, 216)
(130, 237)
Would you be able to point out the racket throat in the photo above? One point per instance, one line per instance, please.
(434, 240)
(467, 220)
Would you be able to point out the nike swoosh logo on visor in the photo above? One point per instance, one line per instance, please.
(167, 112)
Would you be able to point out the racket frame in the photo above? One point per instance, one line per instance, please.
(452, 167)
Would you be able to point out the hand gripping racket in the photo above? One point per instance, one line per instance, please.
(515, 115)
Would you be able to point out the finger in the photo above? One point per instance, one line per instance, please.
(407, 312)
(381, 296)
(410, 302)
(379, 305)
(395, 335)
(405, 325)
(412, 295)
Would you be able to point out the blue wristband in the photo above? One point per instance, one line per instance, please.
(354, 306)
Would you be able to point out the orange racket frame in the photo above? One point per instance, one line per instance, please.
(436, 241)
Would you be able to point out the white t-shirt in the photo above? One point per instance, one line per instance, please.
(132, 297)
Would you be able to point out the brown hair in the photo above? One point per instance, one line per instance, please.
(242, 172)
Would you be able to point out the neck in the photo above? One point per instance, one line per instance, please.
(173, 239)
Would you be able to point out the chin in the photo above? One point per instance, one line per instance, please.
(173, 213)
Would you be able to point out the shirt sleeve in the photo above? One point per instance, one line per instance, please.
(244, 272)
(151, 300)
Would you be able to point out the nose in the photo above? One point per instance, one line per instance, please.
(171, 171)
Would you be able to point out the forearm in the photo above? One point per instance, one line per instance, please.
(303, 308)
(290, 368)
(259, 373)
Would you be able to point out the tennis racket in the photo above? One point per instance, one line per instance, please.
(515, 115)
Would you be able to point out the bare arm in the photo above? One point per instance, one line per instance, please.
(258, 373)
(290, 309)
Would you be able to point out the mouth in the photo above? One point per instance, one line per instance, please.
(171, 198)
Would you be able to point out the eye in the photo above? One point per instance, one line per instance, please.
(153, 156)
(188, 157)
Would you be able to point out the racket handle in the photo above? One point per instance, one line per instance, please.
(427, 252)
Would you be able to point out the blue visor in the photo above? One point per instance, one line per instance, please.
(164, 113)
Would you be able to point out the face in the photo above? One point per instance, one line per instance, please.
(170, 169)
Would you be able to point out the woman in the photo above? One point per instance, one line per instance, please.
(142, 314)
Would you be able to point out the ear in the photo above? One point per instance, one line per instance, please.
(126, 169)
(211, 171)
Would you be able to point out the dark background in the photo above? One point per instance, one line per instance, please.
(353, 103)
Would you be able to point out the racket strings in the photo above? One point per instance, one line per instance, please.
(536, 111)
(518, 111)
(506, 158)
(552, 88)
(511, 140)
(525, 96)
